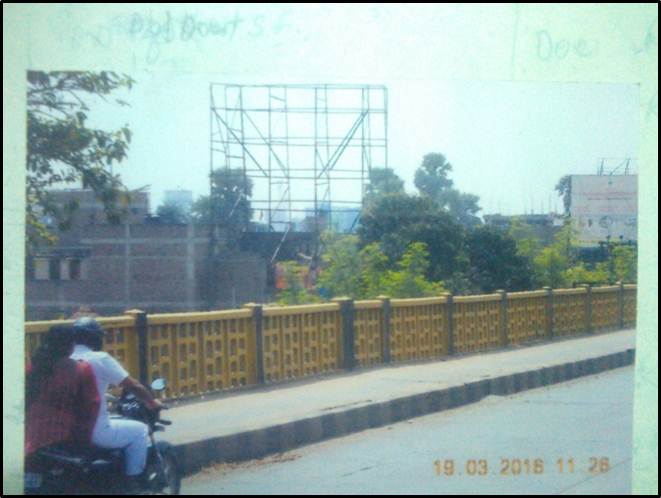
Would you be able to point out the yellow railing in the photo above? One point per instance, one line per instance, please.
(605, 308)
(629, 305)
(477, 322)
(419, 328)
(211, 351)
(570, 311)
(202, 352)
(368, 324)
(527, 316)
(301, 340)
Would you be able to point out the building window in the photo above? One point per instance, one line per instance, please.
(74, 269)
(53, 269)
(41, 269)
(57, 269)
(70, 269)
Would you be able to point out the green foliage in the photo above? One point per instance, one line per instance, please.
(294, 293)
(494, 262)
(528, 244)
(580, 274)
(550, 267)
(342, 261)
(373, 268)
(63, 150)
(557, 265)
(431, 178)
(409, 278)
(432, 181)
(563, 187)
(365, 273)
(395, 221)
(172, 214)
(415, 246)
(565, 241)
(383, 181)
(462, 206)
(625, 261)
(459, 284)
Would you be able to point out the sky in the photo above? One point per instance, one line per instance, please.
(508, 142)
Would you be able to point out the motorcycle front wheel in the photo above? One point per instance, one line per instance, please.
(167, 479)
(171, 480)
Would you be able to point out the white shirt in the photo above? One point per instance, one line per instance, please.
(108, 372)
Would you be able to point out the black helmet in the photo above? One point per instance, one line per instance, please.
(89, 332)
(60, 339)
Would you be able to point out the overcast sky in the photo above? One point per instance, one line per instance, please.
(508, 142)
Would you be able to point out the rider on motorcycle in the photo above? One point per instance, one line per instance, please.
(61, 399)
(114, 433)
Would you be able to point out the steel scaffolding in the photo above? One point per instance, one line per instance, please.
(307, 149)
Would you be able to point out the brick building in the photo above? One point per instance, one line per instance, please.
(138, 264)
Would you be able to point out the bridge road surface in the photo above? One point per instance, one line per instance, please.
(584, 419)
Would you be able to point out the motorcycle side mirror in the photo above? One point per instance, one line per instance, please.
(158, 384)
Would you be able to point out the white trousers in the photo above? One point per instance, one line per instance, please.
(131, 436)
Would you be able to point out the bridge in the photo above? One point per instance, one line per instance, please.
(264, 380)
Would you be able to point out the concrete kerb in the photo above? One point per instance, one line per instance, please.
(275, 439)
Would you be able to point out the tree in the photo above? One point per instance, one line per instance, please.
(397, 220)
(228, 206)
(365, 273)
(620, 265)
(383, 181)
(625, 262)
(565, 242)
(341, 265)
(579, 274)
(563, 187)
(432, 181)
(528, 244)
(373, 268)
(431, 178)
(63, 150)
(409, 280)
(550, 267)
(494, 262)
(462, 206)
(552, 263)
(172, 214)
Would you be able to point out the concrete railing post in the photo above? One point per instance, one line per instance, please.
(258, 321)
(386, 328)
(549, 312)
(588, 308)
(141, 326)
(348, 332)
(450, 315)
(620, 304)
(503, 317)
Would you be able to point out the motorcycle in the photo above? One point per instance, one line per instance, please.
(66, 470)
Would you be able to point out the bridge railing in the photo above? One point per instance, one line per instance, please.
(207, 352)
